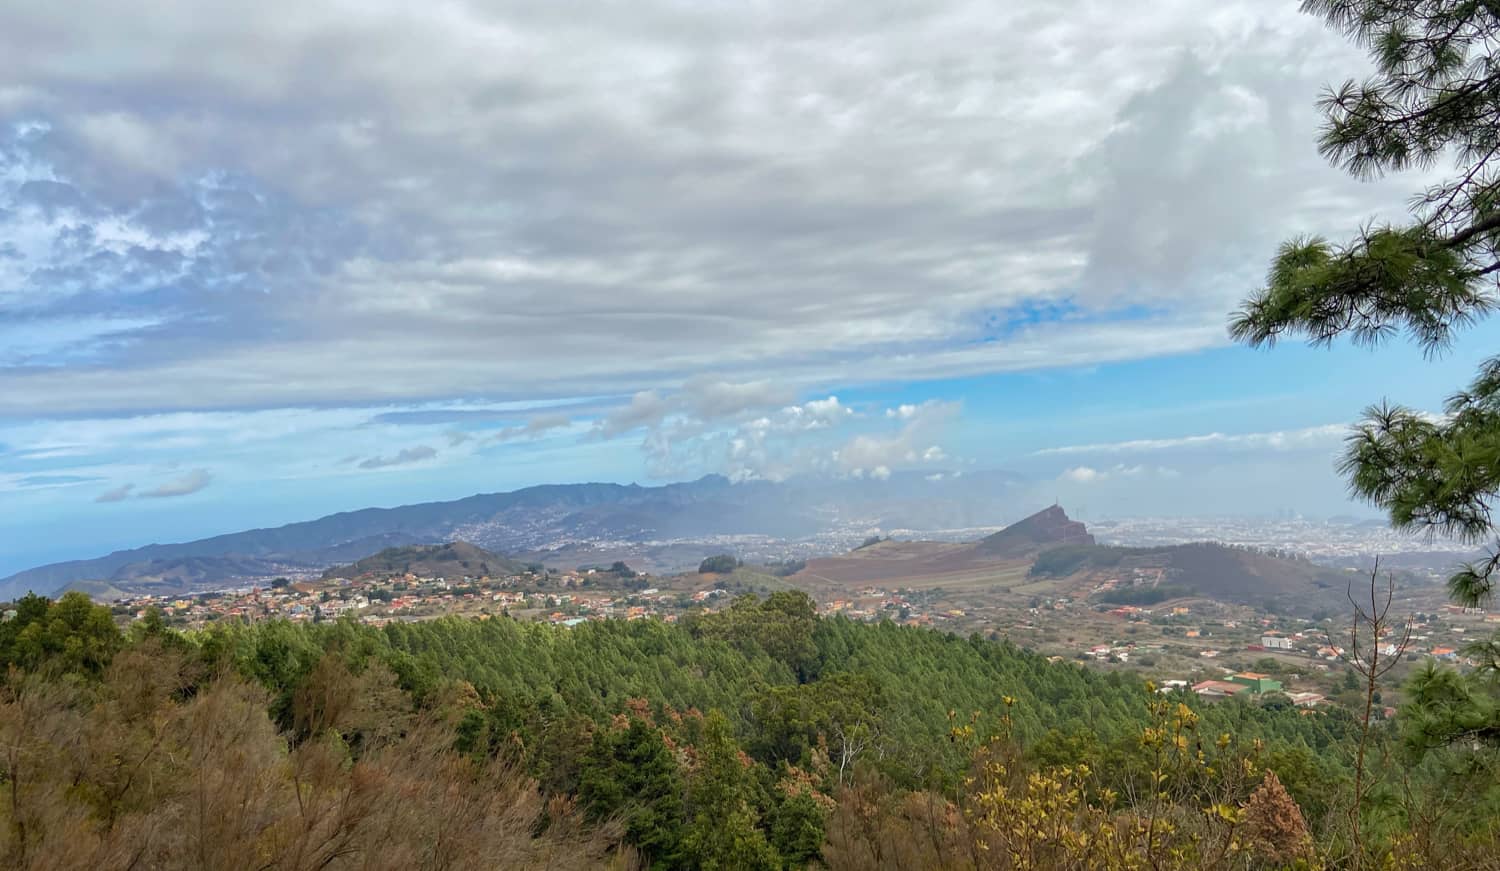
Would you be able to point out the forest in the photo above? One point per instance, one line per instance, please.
(760, 736)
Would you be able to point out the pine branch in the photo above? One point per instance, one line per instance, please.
(1489, 224)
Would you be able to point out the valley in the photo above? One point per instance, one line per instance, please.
(1185, 613)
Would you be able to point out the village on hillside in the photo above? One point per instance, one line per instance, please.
(1216, 650)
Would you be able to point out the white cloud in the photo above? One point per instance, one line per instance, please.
(778, 443)
(908, 446)
(781, 443)
(815, 414)
(1311, 438)
(740, 429)
(1121, 471)
(501, 199)
(1081, 475)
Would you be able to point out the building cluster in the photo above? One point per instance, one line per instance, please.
(1439, 636)
(906, 606)
(566, 598)
(1301, 647)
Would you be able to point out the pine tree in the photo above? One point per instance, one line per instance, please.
(1437, 91)
(725, 833)
(631, 772)
(1435, 95)
(797, 828)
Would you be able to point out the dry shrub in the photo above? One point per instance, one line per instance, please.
(874, 828)
(1273, 822)
(151, 770)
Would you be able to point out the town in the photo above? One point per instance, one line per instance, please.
(1217, 650)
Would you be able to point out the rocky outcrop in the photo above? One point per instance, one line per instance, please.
(1047, 528)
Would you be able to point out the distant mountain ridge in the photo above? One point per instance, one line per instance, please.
(543, 516)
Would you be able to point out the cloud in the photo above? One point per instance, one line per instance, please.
(282, 445)
(186, 485)
(534, 428)
(699, 401)
(646, 408)
(711, 399)
(116, 494)
(772, 443)
(712, 202)
(815, 414)
(403, 457)
(910, 446)
(1310, 438)
(1081, 475)
(1090, 475)
(471, 412)
(745, 430)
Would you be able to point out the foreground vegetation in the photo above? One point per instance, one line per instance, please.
(757, 737)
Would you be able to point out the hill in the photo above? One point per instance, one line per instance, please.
(1050, 527)
(99, 591)
(200, 565)
(925, 563)
(1216, 571)
(544, 517)
(1048, 553)
(455, 559)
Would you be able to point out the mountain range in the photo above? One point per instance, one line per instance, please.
(542, 517)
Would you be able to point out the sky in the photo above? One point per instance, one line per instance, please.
(300, 257)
